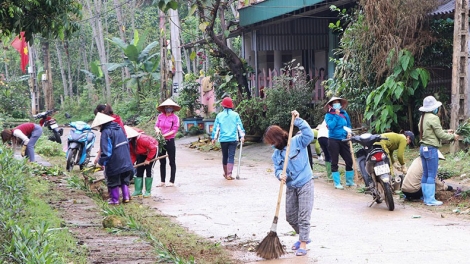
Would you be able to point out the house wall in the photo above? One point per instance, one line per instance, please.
(305, 39)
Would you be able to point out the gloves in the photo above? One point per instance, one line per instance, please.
(404, 169)
(23, 151)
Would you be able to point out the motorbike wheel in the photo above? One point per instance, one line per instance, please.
(71, 159)
(386, 190)
(57, 137)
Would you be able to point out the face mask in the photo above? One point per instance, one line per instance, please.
(435, 111)
(169, 110)
(337, 106)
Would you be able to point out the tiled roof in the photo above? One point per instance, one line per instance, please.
(444, 9)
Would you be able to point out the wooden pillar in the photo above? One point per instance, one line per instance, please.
(459, 95)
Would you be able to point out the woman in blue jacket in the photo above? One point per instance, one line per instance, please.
(298, 178)
(336, 120)
(228, 129)
(115, 157)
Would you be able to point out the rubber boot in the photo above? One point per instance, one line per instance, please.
(328, 170)
(423, 189)
(225, 171)
(429, 194)
(138, 182)
(125, 193)
(148, 187)
(337, 180)
(114, 196)
(350, 179)
(229, 171)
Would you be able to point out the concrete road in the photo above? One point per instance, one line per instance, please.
(344, 228)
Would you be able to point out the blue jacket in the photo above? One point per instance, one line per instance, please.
(115, 155)
(298, 171)
(335, 124)
(228, 126)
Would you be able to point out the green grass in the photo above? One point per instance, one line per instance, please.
(31, 231)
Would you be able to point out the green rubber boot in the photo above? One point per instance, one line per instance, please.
(328, 170)
(148, 187)
(138, 181)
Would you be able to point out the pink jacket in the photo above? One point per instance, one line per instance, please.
(168, 123)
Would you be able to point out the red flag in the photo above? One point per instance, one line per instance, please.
(22, 47)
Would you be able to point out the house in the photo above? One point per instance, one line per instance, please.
(277, 31)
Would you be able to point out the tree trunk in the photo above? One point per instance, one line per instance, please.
(69, 72)
(231, 58)
(47, 84)
(163, 60)
(122, 34)
(62, 72)
(7, 76)
(188, 61)
(97, 28)
(83, 54)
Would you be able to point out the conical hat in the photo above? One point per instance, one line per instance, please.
(100, 119)
(130, 132)
(343, 101)
(168, 102)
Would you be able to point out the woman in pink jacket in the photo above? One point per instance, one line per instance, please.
(168, 124)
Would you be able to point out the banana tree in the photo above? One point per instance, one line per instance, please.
(142, 64)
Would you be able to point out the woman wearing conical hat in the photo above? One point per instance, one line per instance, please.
(337, 119)
(115, 157)
(143, 149)
(168, 124)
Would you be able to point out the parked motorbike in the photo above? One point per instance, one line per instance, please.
(50, 122)
(80, 142)
(374, 165)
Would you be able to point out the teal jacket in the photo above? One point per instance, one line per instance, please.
(298, 171)
(335, 124)
(228, 126)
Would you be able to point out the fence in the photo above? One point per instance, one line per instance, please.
(266, 80)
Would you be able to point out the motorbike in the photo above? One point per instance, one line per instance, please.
(50, 122)
(374, 165)
(80, 142)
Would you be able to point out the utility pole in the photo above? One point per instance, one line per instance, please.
(176, 51)
(163, 60)
(459, 97)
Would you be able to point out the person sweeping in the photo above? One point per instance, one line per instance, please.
(298, 176)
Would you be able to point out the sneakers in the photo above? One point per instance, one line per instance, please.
(170, 184)
(161, 184)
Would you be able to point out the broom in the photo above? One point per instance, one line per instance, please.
(271, 247)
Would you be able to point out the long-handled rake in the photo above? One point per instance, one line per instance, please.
(271, 247)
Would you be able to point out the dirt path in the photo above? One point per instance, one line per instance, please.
(82, 216)
(239, 213)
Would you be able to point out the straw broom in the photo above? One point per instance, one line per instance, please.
(271, 247)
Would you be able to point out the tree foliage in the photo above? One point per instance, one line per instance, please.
(374, 37)
(389, 99)
(48, 18)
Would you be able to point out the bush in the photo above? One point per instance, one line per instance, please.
(291, 91)
(253, 115)
(48, 148)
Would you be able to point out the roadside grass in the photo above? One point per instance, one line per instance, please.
(172, 242)
(30, 231)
